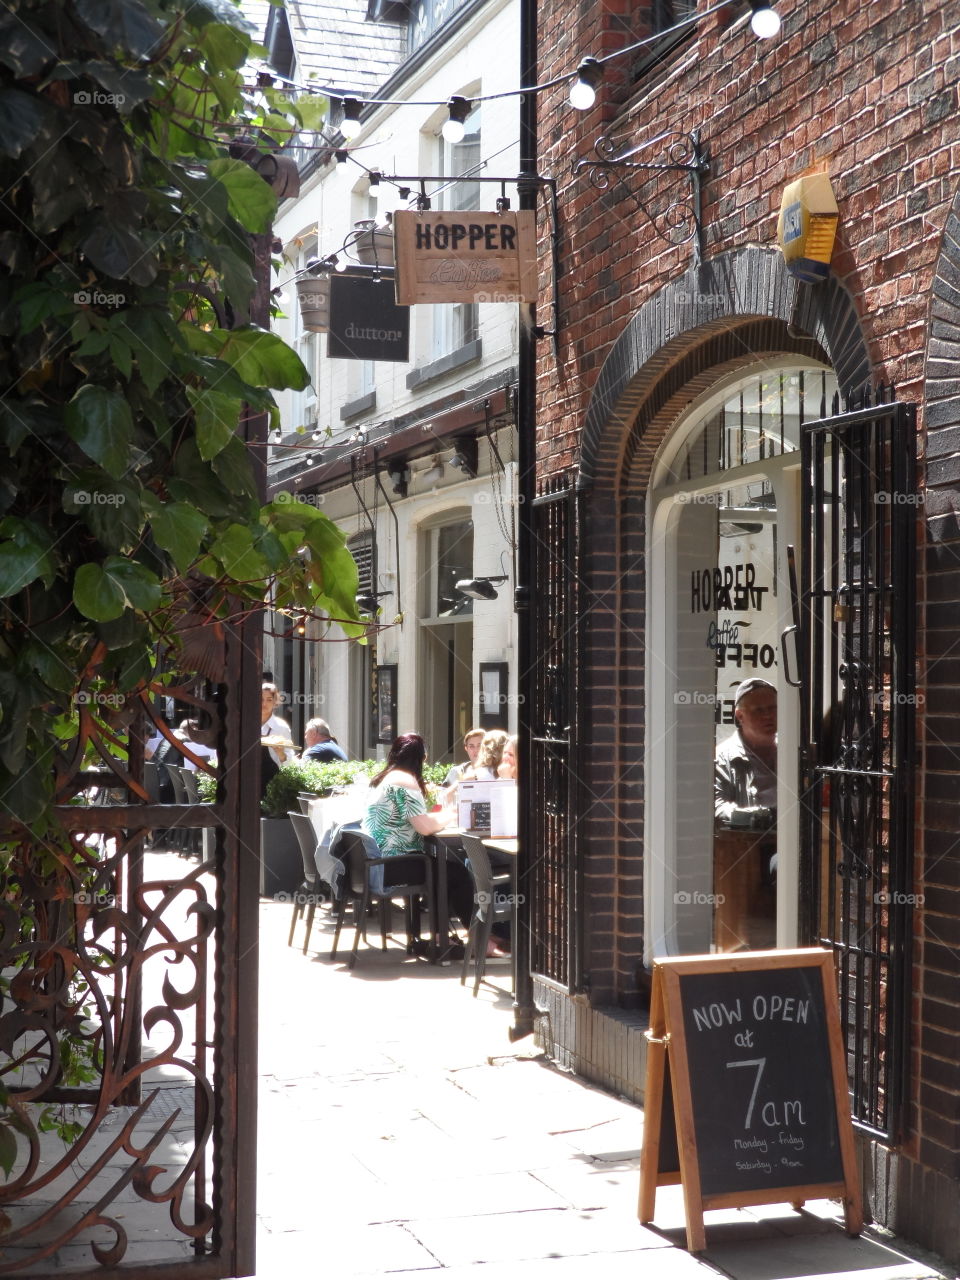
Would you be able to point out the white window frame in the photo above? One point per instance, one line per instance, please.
(458, 323)
(666, 500)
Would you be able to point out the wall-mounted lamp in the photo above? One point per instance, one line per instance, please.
(480, 588)
(369, 601)
(350, 125)
(583, 91)
(399, 475)
(453, 128)
(765, 21)
(466, 456)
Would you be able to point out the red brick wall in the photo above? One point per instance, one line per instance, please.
(869, 91)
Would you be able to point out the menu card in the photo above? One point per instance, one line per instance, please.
(488, 806)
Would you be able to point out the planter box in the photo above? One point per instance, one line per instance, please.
(281, 863)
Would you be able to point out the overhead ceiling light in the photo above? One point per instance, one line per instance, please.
(765, 20)
(480, 588)
(583, 91)
(350, 125)
(454, 128)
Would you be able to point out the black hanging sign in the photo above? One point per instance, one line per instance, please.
(746, 1098)
(365, 321)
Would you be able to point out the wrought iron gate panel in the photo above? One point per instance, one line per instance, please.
(153, 983)
(555, 915)
(858, 566)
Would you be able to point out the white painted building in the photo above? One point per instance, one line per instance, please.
(416, 460)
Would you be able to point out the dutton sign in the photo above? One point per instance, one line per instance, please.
(465, 256)
(365, 321)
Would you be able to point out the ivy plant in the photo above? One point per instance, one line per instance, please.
(132, 137)
(129, 143)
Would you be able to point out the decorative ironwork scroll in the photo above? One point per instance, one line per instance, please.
(121, 1022)
(676, 218)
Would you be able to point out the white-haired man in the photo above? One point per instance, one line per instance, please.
(319, 744)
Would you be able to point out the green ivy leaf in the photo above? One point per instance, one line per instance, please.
(249, 198)
(8, 1148)
(124, 22)
(21, 49)
(25, 792)
(178, 528)
(217, 416)
(100, 422)
(311, 109)
(121, 254)
(102, 592)
(263, 359)
(224, 45)
(236, 553)
(25, 555)
(232, 465)
(96, 594)
(21, 119)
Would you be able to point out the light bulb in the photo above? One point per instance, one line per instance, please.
(454, 127)
(350, 125)
(583, 91)
(374, 190)
(765, 22)
(342, 265)
(582, 95)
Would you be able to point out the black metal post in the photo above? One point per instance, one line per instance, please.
(528, 189)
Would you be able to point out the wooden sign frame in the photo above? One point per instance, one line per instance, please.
(669, 1077)
(468, 255)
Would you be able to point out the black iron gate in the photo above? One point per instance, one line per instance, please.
(128, 1000)
(859, 506)
(555, 916)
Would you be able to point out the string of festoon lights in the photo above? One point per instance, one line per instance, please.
(584, 81)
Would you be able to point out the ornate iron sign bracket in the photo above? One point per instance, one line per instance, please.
(673, 152)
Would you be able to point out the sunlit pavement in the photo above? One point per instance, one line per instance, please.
(401, 1133)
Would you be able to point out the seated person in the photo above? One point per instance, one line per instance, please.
(319, 744)
(471, 745)
(488, 757)
(397, 818)
(745, 766)
(508, 761)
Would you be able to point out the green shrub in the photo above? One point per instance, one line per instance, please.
(319, 778)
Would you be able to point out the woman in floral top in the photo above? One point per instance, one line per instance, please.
(397, 818)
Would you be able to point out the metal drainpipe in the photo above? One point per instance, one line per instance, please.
(528, 188)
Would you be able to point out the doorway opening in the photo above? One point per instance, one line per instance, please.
(722, 867)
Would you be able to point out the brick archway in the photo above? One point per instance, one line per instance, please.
(742, 307)
(721, 306)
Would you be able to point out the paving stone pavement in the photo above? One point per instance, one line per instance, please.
(402, 1134)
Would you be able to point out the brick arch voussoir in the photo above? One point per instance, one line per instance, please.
(725, 298)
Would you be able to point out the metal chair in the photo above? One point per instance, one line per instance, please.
(311, 890)
(180, 837)
(365, 887)
(493, 900)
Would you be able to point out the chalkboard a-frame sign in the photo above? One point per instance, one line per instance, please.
(746, 1094)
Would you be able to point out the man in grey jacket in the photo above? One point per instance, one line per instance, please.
(745, 765)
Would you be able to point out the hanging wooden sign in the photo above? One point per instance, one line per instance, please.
(465, 256)
(746, 1092)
